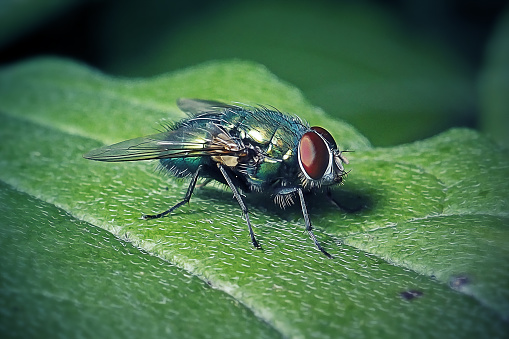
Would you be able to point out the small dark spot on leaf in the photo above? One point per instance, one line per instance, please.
(411, 294)
(459, 282)
(484, 193)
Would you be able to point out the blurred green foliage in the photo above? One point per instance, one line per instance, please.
(356, 61)
(494, 83)
(398, 71)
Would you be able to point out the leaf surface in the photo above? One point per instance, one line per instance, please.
(418, 231)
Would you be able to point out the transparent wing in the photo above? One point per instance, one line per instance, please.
(198, 106)
(187, 141)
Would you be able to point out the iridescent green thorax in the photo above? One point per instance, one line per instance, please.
(275, 137)
(266, 139)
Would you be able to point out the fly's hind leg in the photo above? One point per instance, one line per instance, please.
(237, 196)
(182, 202)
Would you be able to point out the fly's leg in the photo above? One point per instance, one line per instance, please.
(309, 228)
(182, 202)
(331, 199)
(204, 183)
(237, 196)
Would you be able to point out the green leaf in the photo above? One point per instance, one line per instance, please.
(66, 277)
(419, 232)
(451, 215)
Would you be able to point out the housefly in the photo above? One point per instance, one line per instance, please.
(250, 149)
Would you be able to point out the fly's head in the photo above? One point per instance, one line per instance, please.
(320, 161)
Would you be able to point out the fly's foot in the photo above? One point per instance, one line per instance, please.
(256, 244)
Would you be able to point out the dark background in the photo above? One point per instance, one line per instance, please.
(397, 70)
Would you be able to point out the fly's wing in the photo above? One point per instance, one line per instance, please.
(198, 106)
(187, 141)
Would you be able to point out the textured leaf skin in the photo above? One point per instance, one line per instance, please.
(64, 276)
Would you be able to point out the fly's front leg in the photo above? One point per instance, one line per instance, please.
(182, 202)
(309, 228)
(237, 196)
(289, 192)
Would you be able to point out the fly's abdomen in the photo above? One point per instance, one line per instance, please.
(181, 167)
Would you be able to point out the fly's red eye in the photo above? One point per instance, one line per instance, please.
(314, 155)
(326, 135)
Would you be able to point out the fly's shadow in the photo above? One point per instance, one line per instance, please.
(320, 203)
(351, 202)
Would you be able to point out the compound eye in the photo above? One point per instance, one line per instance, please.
(326, 135)
(314, 155)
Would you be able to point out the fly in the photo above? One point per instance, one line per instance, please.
(250, 149)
